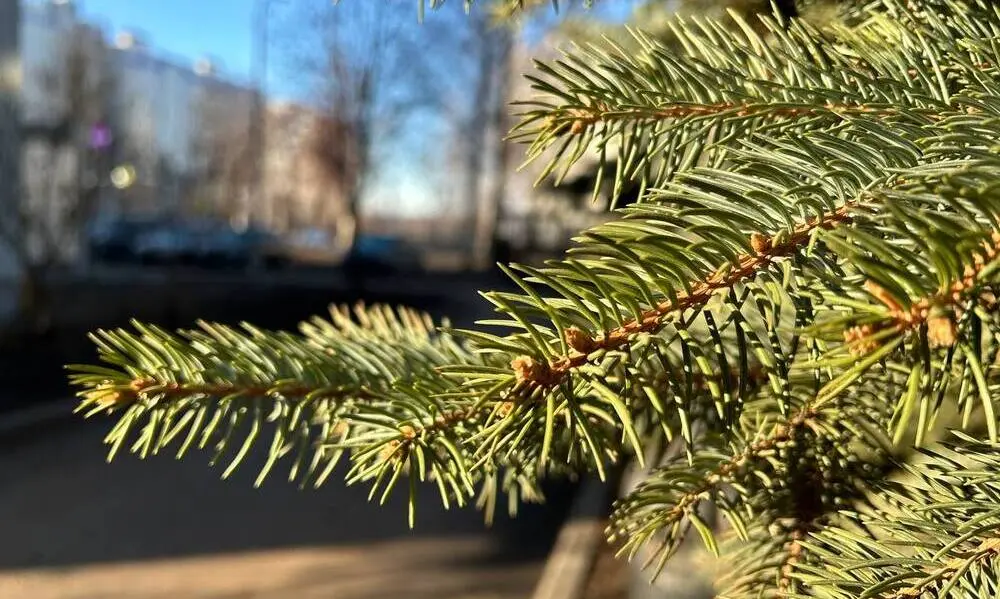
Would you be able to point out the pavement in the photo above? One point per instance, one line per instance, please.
(31, 369)
(76, 527)
(73, 526)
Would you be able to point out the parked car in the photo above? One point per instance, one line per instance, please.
(264, 250)
(224, 247)
(312, 247)
(114, 240)
(382, 255)
(171, 244)
(220, 247)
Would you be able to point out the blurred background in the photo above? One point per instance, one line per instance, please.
(258, 160)
(185, 159)
(254, 160)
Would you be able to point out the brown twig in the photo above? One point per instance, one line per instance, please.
(988, 549)
(793, 556)
(938, 311)
(111, 395)
(580, 118)
(766, 250)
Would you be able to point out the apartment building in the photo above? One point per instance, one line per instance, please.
(96, 102)
(64, 92)
(141, 109)
(9, 142)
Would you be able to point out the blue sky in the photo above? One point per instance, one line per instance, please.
(223, 30)
(189, 28)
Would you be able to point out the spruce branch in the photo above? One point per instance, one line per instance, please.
(932, 532)
(773, 455)
(765, 250)
(800, 303)
(636, 520)
(323, 391)
(709, 279)
(663, 111)
(987, 551)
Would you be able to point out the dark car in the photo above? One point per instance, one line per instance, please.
(263, 250)
(169, 244)
(114, 241)
(381, 256)
(253, 248)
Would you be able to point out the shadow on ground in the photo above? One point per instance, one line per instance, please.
(31, 366)
(76, 527)
(72, 522)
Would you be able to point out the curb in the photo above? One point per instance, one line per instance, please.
(568, 566)
(20, 421)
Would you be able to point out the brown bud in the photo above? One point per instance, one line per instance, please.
(580, 340)
(105, 396)
(390, 451)
(528, 370)
(941, 331)
(988, 300)
(340, 428)
(883, 296)
(577, 127)
(505, 408)
(759, 243)
(859, 338)
(139, 385)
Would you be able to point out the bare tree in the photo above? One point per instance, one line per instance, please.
(224, 162)
(487, 152)
(60, 171)
(370, 78)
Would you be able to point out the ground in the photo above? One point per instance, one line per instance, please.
(75, 527)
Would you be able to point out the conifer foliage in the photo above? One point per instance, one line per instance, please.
(802, 308)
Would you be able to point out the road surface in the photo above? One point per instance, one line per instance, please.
(74, 527)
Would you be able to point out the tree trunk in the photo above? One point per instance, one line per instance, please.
(491, 203)
(34, 301)
(476, 138)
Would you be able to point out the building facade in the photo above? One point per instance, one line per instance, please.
(157, 112)
(10, 81)
(96, 103)
(173, 114)
(66, 91)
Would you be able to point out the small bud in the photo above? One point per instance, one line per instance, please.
(580, 340)
(505, 408)
(139, 385)
(339, 429)
(390, 451)
(988, 300)
(941, 331)
(528, 370)
(758, 242)
(859, 338)
(577, 127)
(883, 296)
(105, 397)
